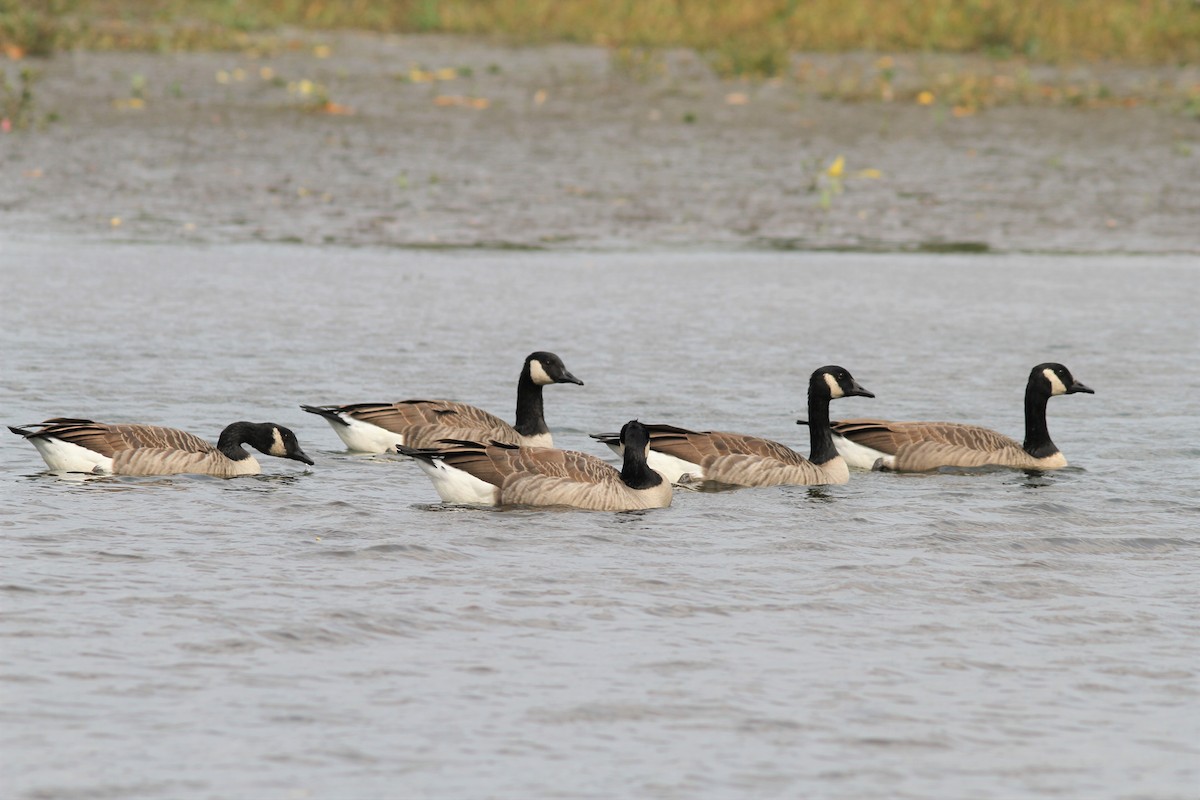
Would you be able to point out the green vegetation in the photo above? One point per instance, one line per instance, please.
(746, 37)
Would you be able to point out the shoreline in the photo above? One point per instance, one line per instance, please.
(446, 142)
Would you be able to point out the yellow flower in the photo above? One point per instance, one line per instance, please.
(925, 98)
(836, 168)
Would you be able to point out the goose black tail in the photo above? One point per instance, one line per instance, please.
(328, 412)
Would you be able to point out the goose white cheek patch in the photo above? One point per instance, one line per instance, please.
(1057, 387)
(538, 373)
(834, 389)
(277, 448)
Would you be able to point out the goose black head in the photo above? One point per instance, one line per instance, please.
(636, 472)
(635, 436)
(284, 445)
(1055, 379)
(837, 382)
(546, 368)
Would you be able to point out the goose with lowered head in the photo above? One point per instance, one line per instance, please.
(81, 445)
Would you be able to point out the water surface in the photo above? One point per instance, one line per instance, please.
(334, 632)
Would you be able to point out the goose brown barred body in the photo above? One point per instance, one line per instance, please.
(378, 427)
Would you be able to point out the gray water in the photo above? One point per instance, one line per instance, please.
(334, 632)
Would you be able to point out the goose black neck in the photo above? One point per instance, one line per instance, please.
(635, 472)
(1037, 434)
(820, 437)
(530, 420)
(235, 435)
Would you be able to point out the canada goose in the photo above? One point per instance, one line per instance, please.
(500, 474)
(378, 427)
(732, 459)
(81, 445)
(921, 446)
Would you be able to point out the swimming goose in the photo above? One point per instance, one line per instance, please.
(921, 446)
(733, 459)
(81, 445)
(378, 427)
(499, 474)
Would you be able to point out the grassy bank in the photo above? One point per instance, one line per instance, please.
(740, 36)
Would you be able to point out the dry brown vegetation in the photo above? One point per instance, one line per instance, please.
(958, 55)
(740, 36)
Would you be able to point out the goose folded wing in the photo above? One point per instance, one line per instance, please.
(108, 440)
(549, 462)
(498, 463)
(877, 434)
(450, 412)
(152, 436)
(389, 416)
(702, 447)
(491, 463)
(433, 436)
(94, 436)
(398, 417)
(889, 437)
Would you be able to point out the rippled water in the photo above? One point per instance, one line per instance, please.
(333, 632)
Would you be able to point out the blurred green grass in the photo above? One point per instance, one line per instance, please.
(740, 37)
